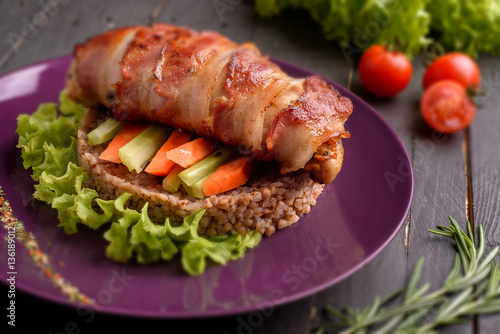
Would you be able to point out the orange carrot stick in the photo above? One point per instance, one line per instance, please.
(229, 176)
(128, 132)
(191, 152)
(161, 165)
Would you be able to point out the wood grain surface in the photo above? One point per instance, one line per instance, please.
(457, 175)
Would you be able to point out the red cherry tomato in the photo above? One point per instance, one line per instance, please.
(446, 107)
(454, 66)
(384, 73)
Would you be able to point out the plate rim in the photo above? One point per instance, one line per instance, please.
(241, 309)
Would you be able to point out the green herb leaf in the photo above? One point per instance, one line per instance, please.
(472, 287)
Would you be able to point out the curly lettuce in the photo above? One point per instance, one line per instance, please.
(472, 27)
(410, 25)
(359, 23)
(47, 140)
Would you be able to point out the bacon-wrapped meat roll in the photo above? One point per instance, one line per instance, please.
(206, 84)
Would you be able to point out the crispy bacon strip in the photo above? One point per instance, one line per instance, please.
(204, 83)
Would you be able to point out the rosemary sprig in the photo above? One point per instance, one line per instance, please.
(472, 287)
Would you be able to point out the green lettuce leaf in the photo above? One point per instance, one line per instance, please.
(151, 241)
(51, 186)
(47, 141)
(356, 24)
(472, 27)
(82, 208)
(67, 218)
(120, 248)
(179, 233)
(219, 249)
(69, 107)
(90, 214)
(242, 243)
(193, 258)
(32, 136)
(56, 159)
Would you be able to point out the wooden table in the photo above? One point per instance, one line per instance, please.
(456, 175)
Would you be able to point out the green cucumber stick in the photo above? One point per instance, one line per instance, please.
(196, 189)
(104, 132)
(140, 150)
(206, 166)
(172, 182)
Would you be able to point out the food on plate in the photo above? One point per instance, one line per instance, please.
(447, 107)
(203, 83)
(172, 141)
(47, 139)
(455, 66)
(260, 143)
(383, 72)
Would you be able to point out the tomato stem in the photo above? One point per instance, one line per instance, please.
(431, 52)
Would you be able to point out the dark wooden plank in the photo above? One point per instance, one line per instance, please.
(485, 164)
(440, 191)
(233, 20)
(57, 30)
(11, 31)
(303, 45)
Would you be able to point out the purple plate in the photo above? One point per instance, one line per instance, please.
(354, 219)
